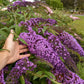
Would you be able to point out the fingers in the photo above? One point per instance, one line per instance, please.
(23, 56)
(11, 36)
(23, 50)
(22, 46)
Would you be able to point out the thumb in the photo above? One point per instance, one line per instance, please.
(11, 36)
(9, 40)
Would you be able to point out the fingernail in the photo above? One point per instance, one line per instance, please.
(12, 31)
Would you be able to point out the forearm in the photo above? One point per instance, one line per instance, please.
(3, 59)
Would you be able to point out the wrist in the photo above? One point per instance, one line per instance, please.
(6, 55)
(4, 58)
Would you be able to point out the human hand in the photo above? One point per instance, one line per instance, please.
(15, 49)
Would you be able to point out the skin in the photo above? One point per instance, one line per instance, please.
(14, 48)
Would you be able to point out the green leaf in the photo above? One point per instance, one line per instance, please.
(36, 75)
(3, 33)
(39, 73)
(80, 67)
(44, 29)
(22, 80)
(82, 59)
(44, 76)
(17, 29)
(42, 61)
(6, 29)
(23, 41)
(62, 59)
(52, 31)
(50, 74)
(12, 26)
(11, 20)
(55, 82)
(4, 49)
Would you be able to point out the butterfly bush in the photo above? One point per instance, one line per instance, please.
(49, 48)
(54, 40)
(71, 42)
(43, 48)
(20, 67)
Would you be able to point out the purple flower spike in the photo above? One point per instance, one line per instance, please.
(20, 67)
(2, 77)
(71, 42)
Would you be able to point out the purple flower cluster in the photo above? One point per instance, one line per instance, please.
(71, 42)
(2, 77)
(74, 79)
(35, 21)
(54, 40)
(20, 67)
(60, 49)
(41, 47)
(51, 21)
(18, 4)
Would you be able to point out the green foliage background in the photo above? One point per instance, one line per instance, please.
(55, 3)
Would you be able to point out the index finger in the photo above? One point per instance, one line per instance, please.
(11, 36)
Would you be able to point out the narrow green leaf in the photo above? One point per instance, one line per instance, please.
(5, 28)
(80, 67)
(62, 59)
(4, 49)
(39, 73)
(23, 41)
(50, 74)
(44, 29)
(44, 76)
(12, 26)
(36, 75)
(17, 29)
(52, 31)
(42, 61)
(22, 80)
(55, 82)
(3, 33)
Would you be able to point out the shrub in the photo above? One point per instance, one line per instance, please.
(55, 3)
